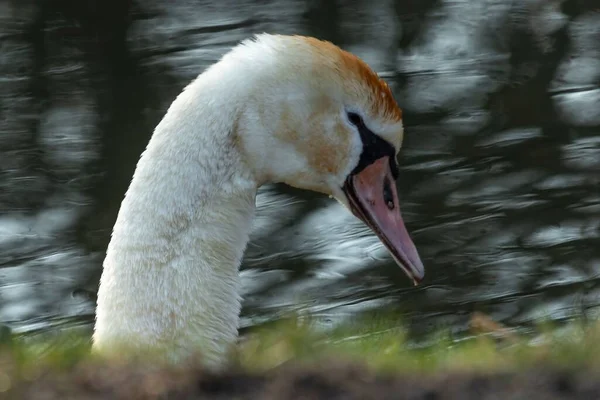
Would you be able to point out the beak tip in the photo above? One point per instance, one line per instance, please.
(417, 272)
(417, 279)
(413, 270)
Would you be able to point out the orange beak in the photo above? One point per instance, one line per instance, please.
(373, 198)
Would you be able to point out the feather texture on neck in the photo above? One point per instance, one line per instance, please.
(170, 282)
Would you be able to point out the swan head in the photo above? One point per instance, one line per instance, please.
(320, 119)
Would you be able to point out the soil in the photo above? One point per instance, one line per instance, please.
(335, 381)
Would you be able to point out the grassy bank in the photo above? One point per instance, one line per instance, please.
(290, 353)
(381, 345)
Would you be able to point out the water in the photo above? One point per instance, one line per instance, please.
(499, 176)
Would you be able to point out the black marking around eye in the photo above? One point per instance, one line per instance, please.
(355, 119)
(374, 148)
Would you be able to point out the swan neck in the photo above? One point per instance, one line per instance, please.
(170, 283)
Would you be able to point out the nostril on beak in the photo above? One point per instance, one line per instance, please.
(388, 197)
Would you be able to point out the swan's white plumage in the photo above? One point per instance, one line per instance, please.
(272, 110)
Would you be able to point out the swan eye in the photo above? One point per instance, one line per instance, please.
(355, 119)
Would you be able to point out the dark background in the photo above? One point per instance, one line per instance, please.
(500, 170)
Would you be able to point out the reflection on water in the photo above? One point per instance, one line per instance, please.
(500, 169)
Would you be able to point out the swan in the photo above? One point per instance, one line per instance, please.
(275, 108)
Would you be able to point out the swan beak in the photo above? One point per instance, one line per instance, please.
(373, 198)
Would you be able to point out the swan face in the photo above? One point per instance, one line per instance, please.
(331, 125)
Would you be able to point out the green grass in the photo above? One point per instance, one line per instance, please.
(378, 342)
(381, 344)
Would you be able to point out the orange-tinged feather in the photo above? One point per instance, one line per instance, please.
(380, 96)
